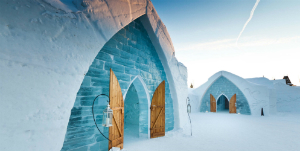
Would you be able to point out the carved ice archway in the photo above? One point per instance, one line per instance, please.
(144, 98)
(218, 100)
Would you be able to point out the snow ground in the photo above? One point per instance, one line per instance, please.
(228, 132)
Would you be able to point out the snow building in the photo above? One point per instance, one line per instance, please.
(56, 58)
(226, 92)
(248, 96)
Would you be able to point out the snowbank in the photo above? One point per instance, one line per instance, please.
(47, 48)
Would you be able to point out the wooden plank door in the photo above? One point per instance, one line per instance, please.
(232, 107)
(157, 127)
(213, 103)
(116, 131)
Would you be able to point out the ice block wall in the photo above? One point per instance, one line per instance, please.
(128, 53)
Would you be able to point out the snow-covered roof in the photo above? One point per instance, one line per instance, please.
(279, 81)
(262, 81)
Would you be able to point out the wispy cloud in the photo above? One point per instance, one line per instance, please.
(219, 44)
(230, 43)
(251, 15)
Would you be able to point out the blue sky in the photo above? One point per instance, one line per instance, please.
(204, 34)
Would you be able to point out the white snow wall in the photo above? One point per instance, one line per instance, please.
(194, 101)
(288, 98)
(47, 49)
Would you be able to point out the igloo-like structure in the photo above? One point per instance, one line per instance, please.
(55, 57)
(250, 97)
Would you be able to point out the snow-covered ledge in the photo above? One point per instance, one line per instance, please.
(46, 49)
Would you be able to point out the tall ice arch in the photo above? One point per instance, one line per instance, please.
(144, 105)
(54, 53)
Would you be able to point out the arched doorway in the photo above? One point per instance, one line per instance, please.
(222, 104)
(132, 112)
(137, 111)
(134, 60)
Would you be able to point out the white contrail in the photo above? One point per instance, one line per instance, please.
(251, 15)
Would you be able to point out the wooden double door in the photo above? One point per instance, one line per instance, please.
(157, 115)
(232, 102)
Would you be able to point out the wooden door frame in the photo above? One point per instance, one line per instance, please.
(140, 79)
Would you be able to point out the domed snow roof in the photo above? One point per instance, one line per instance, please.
(262, 81)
